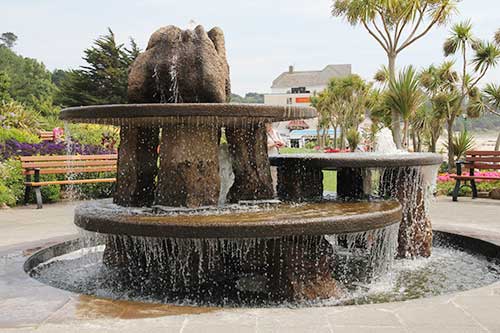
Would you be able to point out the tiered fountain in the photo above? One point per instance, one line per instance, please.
(165, 232)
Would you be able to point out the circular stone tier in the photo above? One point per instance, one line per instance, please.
(159, 114)
(358, 160)
(323, 218)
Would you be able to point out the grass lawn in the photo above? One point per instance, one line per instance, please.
(330, 181)
(287, 150)
(329, 177)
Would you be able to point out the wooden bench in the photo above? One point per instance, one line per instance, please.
(475, 159)
(34, 166)
(46, 136)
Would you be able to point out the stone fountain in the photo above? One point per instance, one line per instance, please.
(164, 230)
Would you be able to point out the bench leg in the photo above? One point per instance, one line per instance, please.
(474, 188)
(27, 192)
(456, 190)
(38, 194)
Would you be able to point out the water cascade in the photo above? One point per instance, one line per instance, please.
(195, 222)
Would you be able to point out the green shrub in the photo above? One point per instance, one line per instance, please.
(446, 188)
(12, 178)
(11, 182)
(92, 134)
(19, 135)
(6, 196)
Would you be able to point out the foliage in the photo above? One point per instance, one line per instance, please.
(11, 182)
(404, 96)
(13, 114)
(92, 134)
(12, 148)
(4, 87)
(461, 143)
(30, 81)
(342, 105)
(463, 84)
(353, 138)
(8, 39)
(105, 77)
(17, 135)
(251, 97)
(395, 25)
(445, 184)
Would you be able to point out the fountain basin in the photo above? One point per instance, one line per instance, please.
(357, 160)
(321, 218)
(406, 177)
(222, 114)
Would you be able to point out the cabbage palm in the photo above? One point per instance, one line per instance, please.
(485, 55)
(439, 86)
(395, 25)
(405, 96)
(491, 98)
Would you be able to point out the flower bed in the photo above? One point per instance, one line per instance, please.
(13, 148)
(445, 183)
(12, 180)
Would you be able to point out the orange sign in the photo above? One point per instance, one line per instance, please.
(303, 100)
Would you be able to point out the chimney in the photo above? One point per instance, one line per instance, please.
(290, 69)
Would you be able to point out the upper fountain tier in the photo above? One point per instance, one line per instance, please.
(222, 114)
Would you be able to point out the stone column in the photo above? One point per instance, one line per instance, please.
(299, 182)
(137, 166)
(189, 166)
(252, 171)
(350, 183)
(406, 184)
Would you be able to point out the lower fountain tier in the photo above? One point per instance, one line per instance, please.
(321, 218)
(270, 253)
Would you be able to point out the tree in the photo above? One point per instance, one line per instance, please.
(8, 39)
(438, 84)
(4, 87)
(104, 79)
(30, 82)
(404, 97)
(326, 118)
(485, 55)
(395, 25)
(489, 102)
(346, 100)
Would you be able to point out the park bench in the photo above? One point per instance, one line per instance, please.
(46, 135)
(475, 160)
(34, 166)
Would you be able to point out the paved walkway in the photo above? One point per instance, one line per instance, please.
(26, 305)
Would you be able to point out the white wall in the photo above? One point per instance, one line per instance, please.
(312, 89)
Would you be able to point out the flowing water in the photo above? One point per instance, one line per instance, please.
(447, 270)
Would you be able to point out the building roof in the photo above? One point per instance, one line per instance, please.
(293, 78)
(297, 125)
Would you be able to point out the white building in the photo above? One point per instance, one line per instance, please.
(296, 88)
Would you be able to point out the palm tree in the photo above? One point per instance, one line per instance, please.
(490, 101)
(485, 55)
(405, 97)
(349, 98)
(395, 25)
(439, 86)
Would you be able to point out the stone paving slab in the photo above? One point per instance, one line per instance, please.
(27, 305)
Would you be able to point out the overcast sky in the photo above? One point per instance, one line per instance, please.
(263, 37)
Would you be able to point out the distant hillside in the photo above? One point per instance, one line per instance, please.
(488, 122)
(251, 97)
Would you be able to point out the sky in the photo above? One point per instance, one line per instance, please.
(263, 37)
